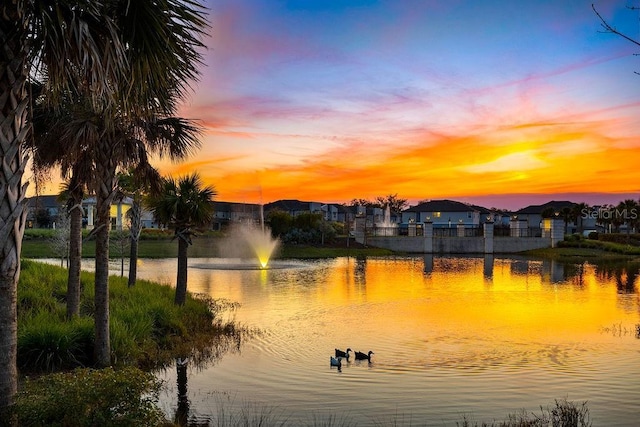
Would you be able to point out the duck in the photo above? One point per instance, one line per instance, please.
(335, 361)
(364, 356)
(345, 354)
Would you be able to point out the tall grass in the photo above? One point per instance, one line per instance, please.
(564, 414)
(147, 328)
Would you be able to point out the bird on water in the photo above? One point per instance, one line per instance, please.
(335, 361)
(364, 356)
(345, 354)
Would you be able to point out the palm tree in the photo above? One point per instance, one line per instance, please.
(67, 42)
(578, 212)
(566, 213)
(73, 193)
(136, 183)
(626, 211)
(79, 126)
(183, 205)
(162, 58)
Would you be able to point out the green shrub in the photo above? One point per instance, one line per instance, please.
(46, 344)
(39, 233)
(86, 397)
(621, 238)
(575, 237)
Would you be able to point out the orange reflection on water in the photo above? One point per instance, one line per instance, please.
(519, 300)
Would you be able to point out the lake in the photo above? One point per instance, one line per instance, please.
(453, 338)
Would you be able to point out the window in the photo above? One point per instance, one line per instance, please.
(437, 214)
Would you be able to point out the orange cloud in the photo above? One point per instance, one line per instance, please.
(528, 158)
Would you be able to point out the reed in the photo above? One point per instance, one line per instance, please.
(564, 414)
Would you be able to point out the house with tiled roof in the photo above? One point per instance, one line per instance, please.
(533, 214)
(446, 213)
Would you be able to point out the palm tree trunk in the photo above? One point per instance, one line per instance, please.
(136, 226)
(76, 194)
(181, 281)
(13, 131)
(105, 180)
(75, 258)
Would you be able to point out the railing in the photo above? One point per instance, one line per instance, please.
(439, 231)
(411, 230)
(469, 231)
(526, 232)
(383, 231)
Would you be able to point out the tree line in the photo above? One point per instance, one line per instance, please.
(609, 216)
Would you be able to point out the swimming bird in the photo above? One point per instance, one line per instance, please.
(335, 361)
(364, 356)
(340, 353)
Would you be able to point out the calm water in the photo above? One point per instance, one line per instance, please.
(453, 337)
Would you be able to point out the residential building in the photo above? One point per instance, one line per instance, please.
(446, 213)
(533, 214)
(43, 211)
(226, 213)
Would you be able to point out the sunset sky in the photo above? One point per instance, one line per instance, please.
(500, 103)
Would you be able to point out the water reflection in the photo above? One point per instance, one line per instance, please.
(486, 336)
(182, 412)
(488, 267)
(428, 264)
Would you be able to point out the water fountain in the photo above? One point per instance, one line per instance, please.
(386, 227)
(247, 247)
(260, 242)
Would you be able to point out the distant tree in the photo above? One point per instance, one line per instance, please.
(578, 213)
(307, 221)
(43, 218)
(395, 204)
(137, 182)
(604, 217)
(548, 212)
(361, 202)
(566, 214)
(279, 221)
(183, 205)
(627, 211)
(60, 240)
(327, 231)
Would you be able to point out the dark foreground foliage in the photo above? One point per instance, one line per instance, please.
(87, 397)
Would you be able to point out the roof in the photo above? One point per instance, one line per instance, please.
(346, 209)
(556, 205)
(288, 205)
(446, 206)
(235, 206)
(42, 202)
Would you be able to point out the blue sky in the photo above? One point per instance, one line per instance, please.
(491, 102)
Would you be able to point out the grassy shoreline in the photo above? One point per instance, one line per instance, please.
(148, 331)
(205, 246)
